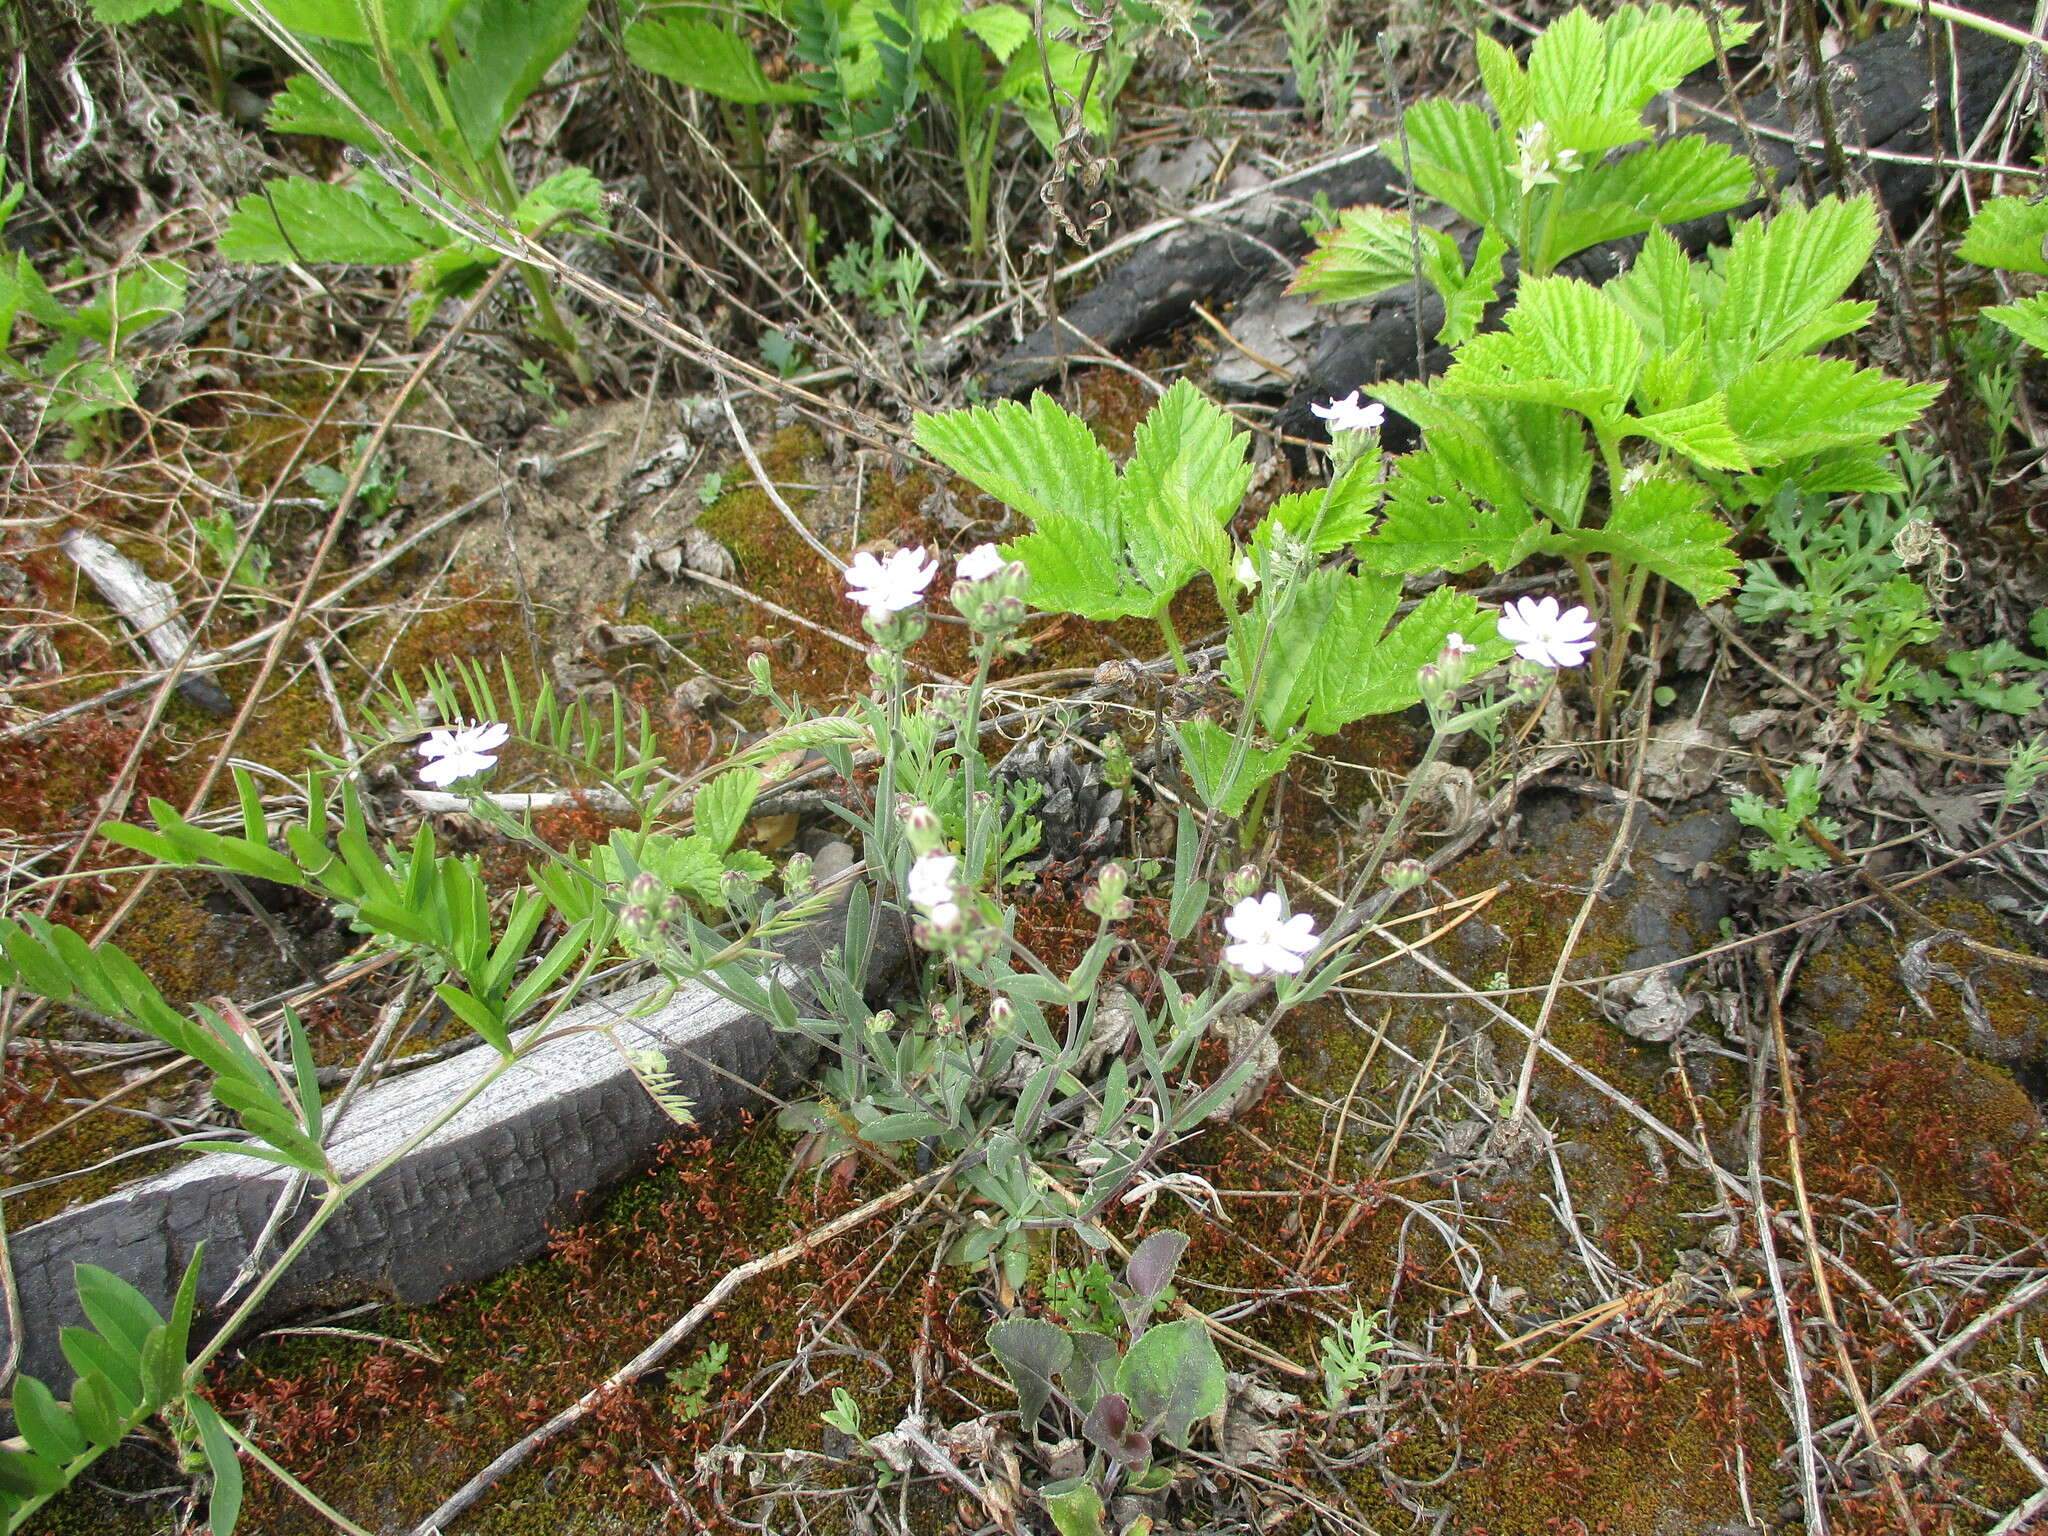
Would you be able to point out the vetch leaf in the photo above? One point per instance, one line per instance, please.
(224, 1506)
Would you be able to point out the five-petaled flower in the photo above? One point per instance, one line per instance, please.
(979, 563)
(1267, 939)
(890, 585)
(460, 753)
(1543, 634)
(1350, 414)
(931, 889)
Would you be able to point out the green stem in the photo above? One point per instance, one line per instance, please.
(313, 1500)
(1172, 637)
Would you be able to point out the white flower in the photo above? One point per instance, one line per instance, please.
(979, 563)
(1455, 648)
(1247, 573)
(458, 754)
(1540, 633)
(891, 585)
(1349, 414)
(931, 883)
(1267, 940)
(1540, 164)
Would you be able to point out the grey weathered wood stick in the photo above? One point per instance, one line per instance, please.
(150, 608)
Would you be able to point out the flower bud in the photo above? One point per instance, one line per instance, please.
(921, 826)
(1001, 1013)
(636, 921)
(1404, 874)
(1429, 682)
(1105, 895)
(1240, 883)
(882, 1023)
(798, 876)
(646, 889)
(762, 674)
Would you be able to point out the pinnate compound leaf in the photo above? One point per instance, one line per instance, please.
(46, 1424)
(295, 219)
(120, 1312)
(1799, 405)
(1172, 1377)
(706, 57)
(1660, 525)
(2009, 233)
(1032, 1352)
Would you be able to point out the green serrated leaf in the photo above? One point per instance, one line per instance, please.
(1800, 405)
(1782, 273)
(1431, 522)
(2026, 319)
(2010, 234)
(506, 46)
(297, 220)
(1459, 157)
(722, 805)
(1187, 475)
(1207, 751)
(706, 57)
(1660, 525)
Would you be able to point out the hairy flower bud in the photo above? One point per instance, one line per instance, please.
(798, 876)
(1240, 883)
(1404, 874)
(1105, 896)
(921, 826)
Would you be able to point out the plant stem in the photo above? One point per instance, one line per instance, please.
(1172, 637)
(313, 1500)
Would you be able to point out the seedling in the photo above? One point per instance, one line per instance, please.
(1790, 847)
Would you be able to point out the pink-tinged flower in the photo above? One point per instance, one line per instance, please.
(1267, 939)
(979, 563)
(1543, 634)
(1455, 648)
(931, 881)
(458, 754)
(1350, 414)
(893, 584)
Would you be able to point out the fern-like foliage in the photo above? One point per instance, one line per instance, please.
(651, 1068)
